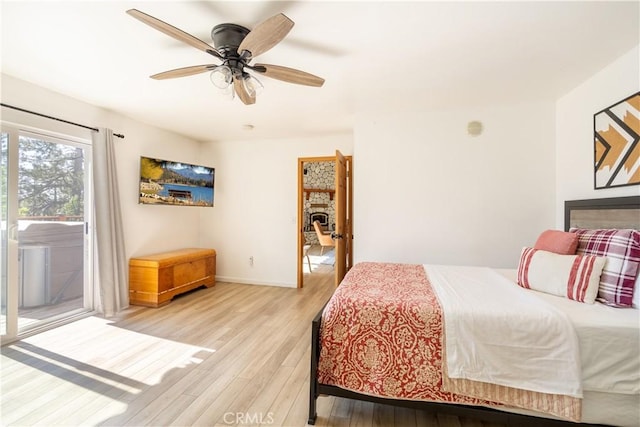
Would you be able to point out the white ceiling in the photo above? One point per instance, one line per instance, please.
(374, 55)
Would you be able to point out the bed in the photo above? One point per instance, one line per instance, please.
(422, 346)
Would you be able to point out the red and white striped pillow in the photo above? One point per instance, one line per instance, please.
(576, 277)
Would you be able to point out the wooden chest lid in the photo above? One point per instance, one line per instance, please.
(166, 259)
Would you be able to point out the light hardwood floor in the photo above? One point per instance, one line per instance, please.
(230, 355)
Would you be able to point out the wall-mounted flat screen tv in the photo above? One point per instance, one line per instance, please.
(164, 182)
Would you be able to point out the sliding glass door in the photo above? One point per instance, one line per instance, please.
(5, 308)
(46, 218)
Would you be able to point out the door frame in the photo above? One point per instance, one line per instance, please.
(348, 225)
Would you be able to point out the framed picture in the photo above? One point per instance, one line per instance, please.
(616, 135)
(164, 182)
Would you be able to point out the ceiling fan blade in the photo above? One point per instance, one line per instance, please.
(183, 72)
(174, 32)
(266, 35)
(244, 96)
(289, 75)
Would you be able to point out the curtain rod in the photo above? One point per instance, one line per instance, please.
(119, 135)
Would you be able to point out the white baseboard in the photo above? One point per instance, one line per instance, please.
(253, 282)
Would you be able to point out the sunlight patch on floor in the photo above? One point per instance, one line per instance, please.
(126, 345)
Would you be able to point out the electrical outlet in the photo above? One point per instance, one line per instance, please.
(251, 261)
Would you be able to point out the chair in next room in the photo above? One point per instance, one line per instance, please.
(324, 237)
(305, 252)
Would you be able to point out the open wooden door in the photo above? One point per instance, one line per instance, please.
(341, 235)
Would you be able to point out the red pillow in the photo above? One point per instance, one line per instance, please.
(559, 242)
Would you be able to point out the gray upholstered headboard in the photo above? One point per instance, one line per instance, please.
(616, 212)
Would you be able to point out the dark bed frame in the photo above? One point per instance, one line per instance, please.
(316, 389)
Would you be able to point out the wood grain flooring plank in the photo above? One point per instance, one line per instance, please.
(205, 399)
(341, 413)
(287, 396)
(383, 415)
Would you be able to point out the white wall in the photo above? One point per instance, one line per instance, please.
(427, 192)
(255, 212)
(574, 130)
(148, 229)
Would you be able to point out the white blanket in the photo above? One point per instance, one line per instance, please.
(609, 340)
(497, 332)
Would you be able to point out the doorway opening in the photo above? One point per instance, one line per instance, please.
(317, 202)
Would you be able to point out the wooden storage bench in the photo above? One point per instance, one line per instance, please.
(155, 279)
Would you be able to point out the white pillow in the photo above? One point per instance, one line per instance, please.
(576, 277)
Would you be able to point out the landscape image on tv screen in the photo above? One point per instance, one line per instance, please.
(165, 182)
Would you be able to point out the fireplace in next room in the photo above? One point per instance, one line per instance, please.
(321, 217)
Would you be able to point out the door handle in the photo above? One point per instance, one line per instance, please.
(13, 232)
(335, 236)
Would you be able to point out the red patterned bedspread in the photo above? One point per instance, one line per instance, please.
(382, 335)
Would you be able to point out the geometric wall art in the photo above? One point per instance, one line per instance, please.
(616, 134)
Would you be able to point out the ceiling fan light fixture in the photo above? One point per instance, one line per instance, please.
(230, 93)
(252, 85)
(221, 77)
(235, 46)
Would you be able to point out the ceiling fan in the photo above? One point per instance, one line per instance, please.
(235, 46)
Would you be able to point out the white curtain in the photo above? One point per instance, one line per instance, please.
(112, 266)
